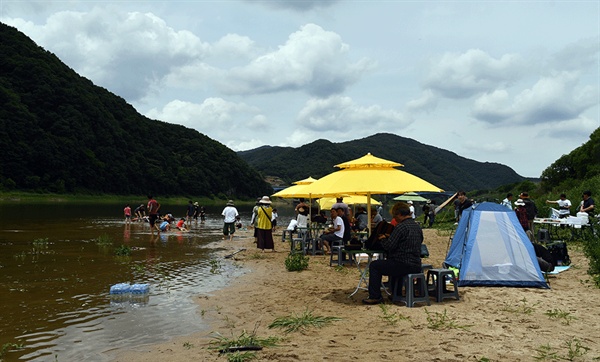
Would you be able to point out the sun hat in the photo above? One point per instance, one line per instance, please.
(520, 202)
(196, 203)
(265, 200)
(230, 203)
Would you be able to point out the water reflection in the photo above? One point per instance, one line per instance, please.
(56, 276)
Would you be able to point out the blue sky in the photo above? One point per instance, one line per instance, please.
(512, 82)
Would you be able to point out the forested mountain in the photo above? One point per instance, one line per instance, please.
(442, 168)
(61, 133)
(580, 164)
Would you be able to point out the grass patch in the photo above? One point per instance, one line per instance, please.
(392, 318)
(103, 240)
(522, 308)
(565, 317)
(215, 266)
(41, 243)
(441, 321)
(235, 346)
(296, 262)
(7, 347)
(301, 322)
(573, 350)
(123, 250)
(257, 256)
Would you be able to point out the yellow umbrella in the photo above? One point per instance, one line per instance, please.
(368, 175)
(295, 190)
(325, 203)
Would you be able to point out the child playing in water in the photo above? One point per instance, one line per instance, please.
(181, 225)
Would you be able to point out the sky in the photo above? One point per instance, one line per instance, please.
(510, 82)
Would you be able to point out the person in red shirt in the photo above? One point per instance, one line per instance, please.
(127, 212)
(153, 207)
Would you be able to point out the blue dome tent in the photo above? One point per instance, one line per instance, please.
(490, 248)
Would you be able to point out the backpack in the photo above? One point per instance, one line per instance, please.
(383, 228)
(558, 250)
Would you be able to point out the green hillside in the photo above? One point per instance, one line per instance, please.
(61, 133)
(443, 168)
(581, 164)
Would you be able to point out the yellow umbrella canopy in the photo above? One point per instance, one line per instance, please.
(368, 181)
(325, 203)
(368, 161)
(307, 181)
(368, 175)
(295, 190)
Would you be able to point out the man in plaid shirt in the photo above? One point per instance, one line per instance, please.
(403, 249)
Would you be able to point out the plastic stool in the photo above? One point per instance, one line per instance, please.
(425, 267)
(408, 283)
(436, 283)
(287, 233)
(338, 250)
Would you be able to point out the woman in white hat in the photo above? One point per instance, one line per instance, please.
(264, 229)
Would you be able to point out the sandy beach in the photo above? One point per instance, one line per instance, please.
(486, 324)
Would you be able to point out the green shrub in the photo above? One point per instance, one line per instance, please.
(123, 250)
(296, 262)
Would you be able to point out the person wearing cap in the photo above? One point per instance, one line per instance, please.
(431, 212)
(564, 206)
(532, 210)
(412, 209)
(521, 214)
(196, 211)
(264, 227)
(229, 213)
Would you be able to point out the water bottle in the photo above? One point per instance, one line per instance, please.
(139, 295)
(119, 293)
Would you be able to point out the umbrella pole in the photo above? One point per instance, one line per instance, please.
(369, 214)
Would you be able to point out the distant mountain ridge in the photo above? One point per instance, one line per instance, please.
(442, 168)
(61, 133)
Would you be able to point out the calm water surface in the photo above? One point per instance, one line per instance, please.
(55, 279)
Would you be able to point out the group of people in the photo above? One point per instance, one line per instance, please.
(264, 220)
(162, 223)
(526, 209)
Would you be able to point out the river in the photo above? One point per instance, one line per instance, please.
(57, 264)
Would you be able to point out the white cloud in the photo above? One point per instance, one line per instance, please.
(299, 5)
(573, 129)
(456, 75)
(125, 52)
(214, 116)
(426, 102)
(342, 114)
(312, 60)
(550, 99)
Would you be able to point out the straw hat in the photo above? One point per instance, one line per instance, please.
(230, 203)
(265, 200)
